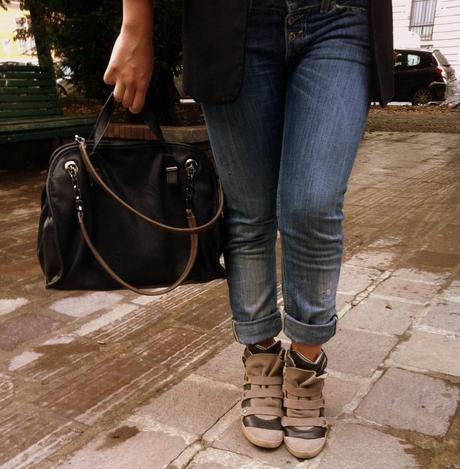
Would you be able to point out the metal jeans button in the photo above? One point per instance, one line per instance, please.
(291, 36)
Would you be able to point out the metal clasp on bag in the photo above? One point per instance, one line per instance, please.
(190, 167)
(72, 170)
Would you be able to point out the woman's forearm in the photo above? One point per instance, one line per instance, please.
(131, 62)
(138, 17)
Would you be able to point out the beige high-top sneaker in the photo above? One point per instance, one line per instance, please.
(262, 400)
(305, 427)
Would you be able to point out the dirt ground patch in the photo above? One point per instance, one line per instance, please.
(413, 119)
(405, 118)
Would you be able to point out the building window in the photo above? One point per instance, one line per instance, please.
(422, 18)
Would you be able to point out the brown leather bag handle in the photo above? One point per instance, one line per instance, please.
(171, 229)
(188, 267)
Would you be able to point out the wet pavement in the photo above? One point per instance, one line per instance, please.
(117, 380)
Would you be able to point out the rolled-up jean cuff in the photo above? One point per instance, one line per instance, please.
(313, 334)
(253, 332)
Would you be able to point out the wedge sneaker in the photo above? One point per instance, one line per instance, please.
(262, 399)
(305, 427)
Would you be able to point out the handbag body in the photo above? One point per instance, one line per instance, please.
(129, 213)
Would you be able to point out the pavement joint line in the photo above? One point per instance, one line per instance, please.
(348, 376)
(380, 333)
(149, 424)
(185, 456)
(251, 463)
(198, 379)
(390, 363)
(344, 310)
(434, 330)
(221, 424)
(361, 393)
(363, 294)
(401, 300)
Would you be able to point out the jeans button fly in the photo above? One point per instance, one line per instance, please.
(291, 36)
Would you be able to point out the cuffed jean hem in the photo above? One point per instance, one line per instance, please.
(253, 332)
(312, 334)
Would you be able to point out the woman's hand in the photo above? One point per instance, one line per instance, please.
(130, 67)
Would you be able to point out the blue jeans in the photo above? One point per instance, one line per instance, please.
(284, 150)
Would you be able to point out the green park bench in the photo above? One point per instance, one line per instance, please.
(30, 108)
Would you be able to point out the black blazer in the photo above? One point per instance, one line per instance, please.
(213, 41)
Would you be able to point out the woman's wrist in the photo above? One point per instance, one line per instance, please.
(137, 29)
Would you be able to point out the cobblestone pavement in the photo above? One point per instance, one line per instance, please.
(115, 380)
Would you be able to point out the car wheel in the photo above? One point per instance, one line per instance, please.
(422, 96)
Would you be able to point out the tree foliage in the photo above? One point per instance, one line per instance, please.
(82, 34)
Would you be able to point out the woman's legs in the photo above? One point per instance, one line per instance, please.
(327, 100)
(326, 106)
(246, 138)
(284, 151)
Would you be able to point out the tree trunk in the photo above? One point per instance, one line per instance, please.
(40, 34)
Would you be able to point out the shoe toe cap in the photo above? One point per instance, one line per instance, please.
(304, 448)
(263, 437)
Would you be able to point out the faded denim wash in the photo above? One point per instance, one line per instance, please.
(284, 150)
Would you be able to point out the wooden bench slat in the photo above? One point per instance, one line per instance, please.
(62, 122)
(28, 113)
(7, 83)
(27, 90)
(16, 75)
(36, 105)
(30, 108)
(22, 98)
(13, 68)
(83, 130)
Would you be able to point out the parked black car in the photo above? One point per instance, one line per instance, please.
(421, 76)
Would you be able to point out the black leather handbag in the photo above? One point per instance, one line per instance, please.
(129, 213)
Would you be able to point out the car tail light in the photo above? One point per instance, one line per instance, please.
(441, 73)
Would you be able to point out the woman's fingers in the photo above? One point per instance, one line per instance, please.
(138, 102)
(109, 76)
(119, 91)
(128, 97)
(130, 69)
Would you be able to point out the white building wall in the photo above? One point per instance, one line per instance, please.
(446, 31)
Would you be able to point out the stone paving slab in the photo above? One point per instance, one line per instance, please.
(430, 352)
(226, 366)
(213, 458)
(10, 305)
(444, 316)
(126, 447)
(234, 441)
(19, 329)
(24, 426)
(411, 401)
(83, 305)
(452, 293)
(354, 446)
(405, 290)
(193, 405)
(355, 279)
(357, 352)
(114, 354)
(380, 315)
